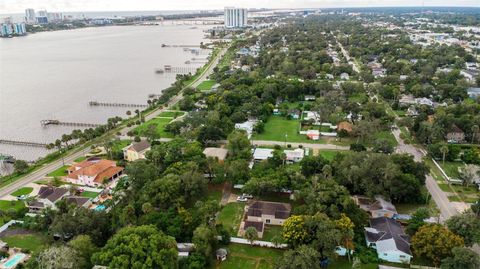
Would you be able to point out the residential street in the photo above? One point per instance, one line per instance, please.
(447, 208)
(40, 173)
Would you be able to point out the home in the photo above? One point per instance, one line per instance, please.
(344, 76)
(261, 154)
(473, 92)
(294, 156)
(455, 135)
(403, 77)
(277, 112)
(313, 134)
(313, 116)
(184, 249)
(329, 76)
(412, 111)
(79, 201)
(378, 208)
(247, 126)
(387, 237)
(424, 101)
(46, 198)
(93, 172)
(310, 98)
(345, 126)
(379, 72)
(136, 151)
(217, 153)
(407, 100)
(261, 213)
(471, 66)
(294, 113)
(469, 75)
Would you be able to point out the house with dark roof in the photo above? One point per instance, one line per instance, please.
(388, 238)
(136, 151)
(377, 208)
(79, 201)
(261, 213)
(93, 172)
(455, 134)
(46, 198)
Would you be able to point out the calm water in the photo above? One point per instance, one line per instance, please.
(54, 75)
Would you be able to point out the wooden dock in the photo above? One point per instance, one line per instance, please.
(180, 69)
(95, 103)
(74, 124)
(23, 143)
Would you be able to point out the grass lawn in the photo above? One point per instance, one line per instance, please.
(171, 114)
(276, 127)
(343, 263)
(271, 231)
(246, 256)
(451, 168)
(230, 216)
(22, 191)
(388, 136)
(328, 154)
(214, 195)
(33, 242)
(60, 172)
(17, 205)
(206, 85)
(118, 145)
(90, 194)
(160, 122)
(80, 159)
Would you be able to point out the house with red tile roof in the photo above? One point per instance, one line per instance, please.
(93, 172)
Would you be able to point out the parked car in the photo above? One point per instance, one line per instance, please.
(241, 199)
(248, 196)
(22, 197)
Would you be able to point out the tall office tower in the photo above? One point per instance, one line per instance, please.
(42, 17)
(29, 15)
(235, 17)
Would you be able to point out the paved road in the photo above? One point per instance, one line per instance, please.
(42, 172)
(447, 208)
(347, 56)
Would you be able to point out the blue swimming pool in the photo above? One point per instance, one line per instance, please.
(100, 208)
(14, 260)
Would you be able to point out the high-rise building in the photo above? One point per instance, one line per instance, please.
(235, 17)
(19, 28)
(5, 30)
(30, 15)
(42, 17)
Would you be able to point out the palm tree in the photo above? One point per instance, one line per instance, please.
(475, 130)
(327, 171)
(444, 151)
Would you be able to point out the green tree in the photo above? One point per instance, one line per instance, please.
(239, 145)
(462, 258)
(346, 226)
(84, 249)
(303, 257)
(417, 220)
(467, 225)
(435, 242)
(204, 240)
(138, 247)
(251, 234)
(20, 166)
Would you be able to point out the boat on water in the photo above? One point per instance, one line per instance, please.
(159, 71)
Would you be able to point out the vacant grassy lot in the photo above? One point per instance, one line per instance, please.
(171, 114)
(33, 242)
(22, 191)
(451, 168)
(246, 256)
(89, 194)
(328, 154)
(230, 216)
(388, 136)
(206, 85)
(6, 205)
(160, 122)
(277, 127)
(60, 172)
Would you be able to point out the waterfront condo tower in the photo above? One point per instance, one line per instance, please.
(235, 17)
(29, 15)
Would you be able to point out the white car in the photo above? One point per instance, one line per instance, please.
(248, 196)
(241, 199)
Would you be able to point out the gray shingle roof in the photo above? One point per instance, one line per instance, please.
(389, 229)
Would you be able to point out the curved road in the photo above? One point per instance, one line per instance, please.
(41, 172)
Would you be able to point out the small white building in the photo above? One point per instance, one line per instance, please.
(247, 126)
(294, 156)
(261, 154)
(310, 98)
(344, 76)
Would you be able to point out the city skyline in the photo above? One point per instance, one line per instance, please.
(19, 6)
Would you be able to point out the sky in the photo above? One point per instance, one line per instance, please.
(19, 6)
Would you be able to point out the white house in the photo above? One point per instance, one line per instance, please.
(93, 172)
(294, 156)
(246, 126)
(47, 197)
(261, 154)
(424, 101)
(387, 237)
(344, 76)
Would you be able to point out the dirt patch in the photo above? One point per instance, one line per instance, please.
(15, 231)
